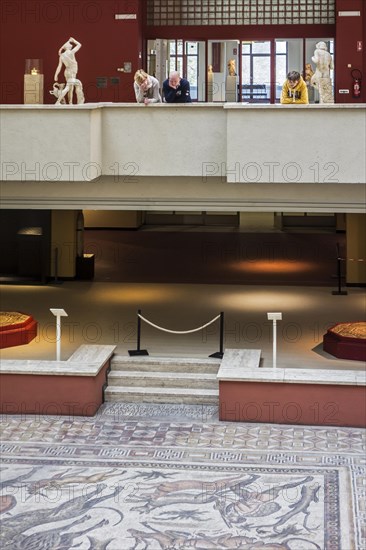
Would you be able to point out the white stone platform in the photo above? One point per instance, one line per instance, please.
(244, 366)
(87, 360)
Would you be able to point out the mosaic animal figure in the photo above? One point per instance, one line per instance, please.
(54, 538)
(14, 526)
(309, 494)
(187, 491)
(9, 501)
(59, 480)
(202, 541)
(253, 503)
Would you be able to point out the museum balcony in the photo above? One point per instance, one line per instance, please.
(199, 157)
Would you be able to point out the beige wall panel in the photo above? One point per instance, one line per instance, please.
(63, 228)
(110, 218)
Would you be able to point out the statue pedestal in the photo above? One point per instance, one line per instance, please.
(210, 85)
(230, 89)
(33, 89)
(326, 90)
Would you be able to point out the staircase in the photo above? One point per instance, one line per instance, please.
(148, 379)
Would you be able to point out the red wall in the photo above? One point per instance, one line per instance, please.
(281, 403)
(38, 28)
(349, 31)
(52, 394)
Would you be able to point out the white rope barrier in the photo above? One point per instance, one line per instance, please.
(178, 331)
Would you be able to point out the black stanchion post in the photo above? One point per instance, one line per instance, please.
(339, 292)
(138, 351)
(220, 354)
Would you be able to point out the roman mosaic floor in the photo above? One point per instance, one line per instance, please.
(146, 477)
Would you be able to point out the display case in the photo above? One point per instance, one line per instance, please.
(33, 81)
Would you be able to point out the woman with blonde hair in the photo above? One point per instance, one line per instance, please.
(146, 88)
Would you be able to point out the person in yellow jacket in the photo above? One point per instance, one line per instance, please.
(294, 89)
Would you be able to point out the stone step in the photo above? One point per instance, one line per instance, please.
(148, 379)
(161, 395)
(168, 364)
(162, 379)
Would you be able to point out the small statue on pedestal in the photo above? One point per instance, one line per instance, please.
(307, 77)
(67, 57)
(321, 78)
(308, 73)
(231, 67)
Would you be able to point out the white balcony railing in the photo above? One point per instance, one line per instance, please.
(99, 144)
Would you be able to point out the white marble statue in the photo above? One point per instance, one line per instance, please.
(57, 91)
(321, 78)
(67, 58)
(231, 67)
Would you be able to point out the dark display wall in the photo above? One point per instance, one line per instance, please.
(25, 244)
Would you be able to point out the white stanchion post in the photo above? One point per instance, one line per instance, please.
(274, 317)
(58, 313)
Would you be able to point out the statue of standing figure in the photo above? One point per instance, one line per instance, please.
(67, 57)
(231, 67)
(321, 78)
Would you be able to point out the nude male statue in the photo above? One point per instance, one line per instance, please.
(321, 78)
(67, 58)
(323, 60)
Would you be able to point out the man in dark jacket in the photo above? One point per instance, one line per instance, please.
(176, 89)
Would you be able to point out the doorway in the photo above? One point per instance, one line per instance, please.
(187, 57)
(256, 71)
